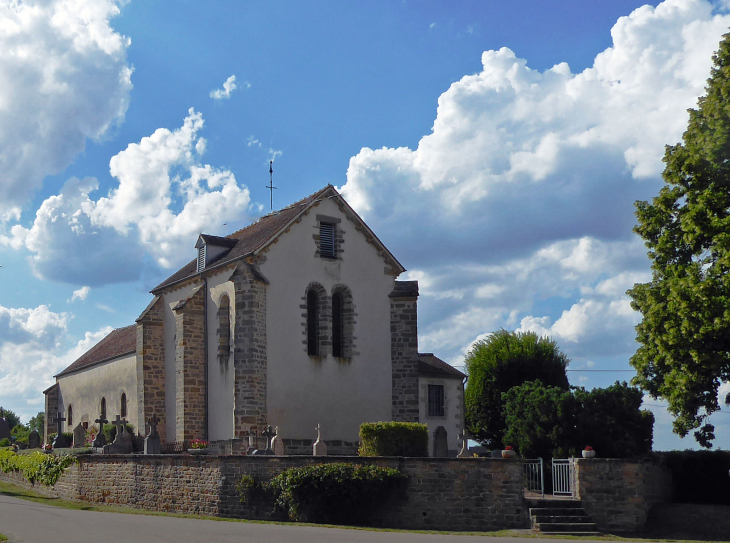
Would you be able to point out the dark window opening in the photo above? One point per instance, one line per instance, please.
(337, 326)
(103, 408)
(124, 405)
(327, 240)
(70, 417)
(312, 317)
(435, 400)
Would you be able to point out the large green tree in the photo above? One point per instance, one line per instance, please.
(10, 416)
(684, 336)
(498, 363)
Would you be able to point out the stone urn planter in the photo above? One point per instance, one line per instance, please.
(199, 452)
(509, 453)
(588, 454)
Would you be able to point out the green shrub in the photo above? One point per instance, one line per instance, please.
(334, 493)
(4, 442)
(699, 476)
(252, 492)
(20, 433)
(393, 439)
(36, 467)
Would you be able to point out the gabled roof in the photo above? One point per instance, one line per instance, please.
(428, 364)
(255, 237)
(119, 342)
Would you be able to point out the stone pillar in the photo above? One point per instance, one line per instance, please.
(249, 353)
(151, 366)
(190, 374)
(404, 350)
(51, 395)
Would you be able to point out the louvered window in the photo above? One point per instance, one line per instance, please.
(201, 258)
(435, 400)
(327, 240)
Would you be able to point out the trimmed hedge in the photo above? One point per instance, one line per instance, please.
(699, 476)
(36, 467)
(393, 439)
(333, 493)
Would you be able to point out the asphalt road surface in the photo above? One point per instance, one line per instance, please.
(29, 522)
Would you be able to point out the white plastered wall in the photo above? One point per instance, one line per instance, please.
(452, 421)
(303, 391)
(221, 374)
(85, 389)
(171, 299)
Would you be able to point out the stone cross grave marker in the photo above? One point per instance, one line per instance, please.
(320, 447)
(60, 441)
(440, 444)
(34, 439)
(79, 436)
(122, 442)
(100, 439)
(277, 445)
(152, 443)
(464, 452)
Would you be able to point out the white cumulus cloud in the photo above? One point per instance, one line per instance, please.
(80, 294)
(229, 85)
(65, 78)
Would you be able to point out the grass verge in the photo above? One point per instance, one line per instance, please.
(8, 489)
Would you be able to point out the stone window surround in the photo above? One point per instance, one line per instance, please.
(69, 416)
(123, 405)
(424, 395)
(103, 407)
(339, 237)
(443, 400)
(324, 322)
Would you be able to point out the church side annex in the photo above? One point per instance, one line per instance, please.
(296, 320)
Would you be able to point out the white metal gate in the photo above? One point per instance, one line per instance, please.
(534, 476)
(563, 477)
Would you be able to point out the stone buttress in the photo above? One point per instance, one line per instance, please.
(404, 350)
(250, 353)
(151, 366)
(190, 372)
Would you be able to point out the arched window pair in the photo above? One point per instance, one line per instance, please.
(122, 406)
(329, 322)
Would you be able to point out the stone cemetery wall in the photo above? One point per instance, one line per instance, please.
(618, 494)
(441, 493)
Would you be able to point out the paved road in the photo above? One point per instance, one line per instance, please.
(29, 522)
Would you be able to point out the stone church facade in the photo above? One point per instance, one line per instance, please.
(293, 321)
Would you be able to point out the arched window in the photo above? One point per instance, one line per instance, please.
(70, 417)
(224, 329)
(103, 408)
(123, 407)
(337, 326)
(312, 322)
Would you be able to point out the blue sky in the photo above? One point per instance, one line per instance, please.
(496, 148)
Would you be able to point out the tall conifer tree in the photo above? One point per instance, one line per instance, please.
(684, 335)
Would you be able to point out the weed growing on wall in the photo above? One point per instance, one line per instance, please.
(36, 467)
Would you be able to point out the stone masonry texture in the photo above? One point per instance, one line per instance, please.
(441, 493)
(51, 401)
(190, 371)
(618, 494)
(404, 350)
(249, 350)
(151, 366)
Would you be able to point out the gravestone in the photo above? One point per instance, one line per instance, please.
(60, 442)
(277, 445)
(122, 442)
(319, 448)
(79, 436)
(34, 440)
(152, 443)
(496, 454)
(4, 427)
(100, 439)
(464, 452)
(440, 445)
(268, 434)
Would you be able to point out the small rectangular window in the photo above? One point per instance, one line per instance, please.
(327, 240)
(201, 258)
(436, 400)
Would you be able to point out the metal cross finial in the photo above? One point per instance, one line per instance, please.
(271, 186)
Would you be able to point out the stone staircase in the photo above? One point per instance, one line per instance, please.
(560, 517)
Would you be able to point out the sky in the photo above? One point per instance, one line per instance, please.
(496, 148)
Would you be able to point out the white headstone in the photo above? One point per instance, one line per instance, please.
(319, 448)
(464, 452)
(277, 444)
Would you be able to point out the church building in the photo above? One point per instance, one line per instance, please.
(294, 321)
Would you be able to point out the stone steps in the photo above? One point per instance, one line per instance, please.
(561, 517)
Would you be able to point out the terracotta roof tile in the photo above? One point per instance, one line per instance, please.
(429, 364)
(119, 342)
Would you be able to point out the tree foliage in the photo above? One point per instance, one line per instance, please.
(500, 362)
(684, 336)
(11, 417)
(37, 423)
(544, 421)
